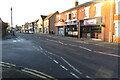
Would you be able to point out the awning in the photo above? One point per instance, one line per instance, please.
(60, 24)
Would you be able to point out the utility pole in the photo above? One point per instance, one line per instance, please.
(12, 23)
(11, 19)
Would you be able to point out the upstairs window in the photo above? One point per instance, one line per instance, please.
(117, 7)
(74, 15)
(68, 15)
(86, 15)
(117, 29)
(59, 18)
(98, 9)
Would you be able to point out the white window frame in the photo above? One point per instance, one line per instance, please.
(86, 15)
(98, 10)
(59, 16)
(74, 15)
(117, 7)
(117, 28)
(67, 19)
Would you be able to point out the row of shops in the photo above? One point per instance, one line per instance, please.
(86, 28)
(99, 20)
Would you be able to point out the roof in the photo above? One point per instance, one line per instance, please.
(36, 20)
(43, 16)
(81, 5)
(50, 15)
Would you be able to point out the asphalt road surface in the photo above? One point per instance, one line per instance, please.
(60, 57)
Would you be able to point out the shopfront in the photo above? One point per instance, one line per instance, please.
(60, 28)
(71, 28)
(91, 28)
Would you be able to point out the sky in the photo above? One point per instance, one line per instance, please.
(30, 10)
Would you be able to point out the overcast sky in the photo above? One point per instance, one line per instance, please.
(30, 10)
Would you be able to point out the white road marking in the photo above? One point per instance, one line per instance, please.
(88, 77)
(64, 67)
(40, 47)
(47, 39)
(14, 41)
(74, 75)
(108, 54)
(55, 61)
(71, 65)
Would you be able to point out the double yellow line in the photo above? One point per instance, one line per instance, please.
(30, 71)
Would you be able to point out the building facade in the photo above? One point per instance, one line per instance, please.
(49, 22)
(40, 24)
(99, 20)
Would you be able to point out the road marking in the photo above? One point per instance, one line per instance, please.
(14, 41)
(55, 61)
(35, 74)
(74, 75)
(108, 54)
(8, 63)
(64, 67)
(88, 77)
(40, 47)
(5, 65)
(44, 53)
(41, 73)
(71, 65)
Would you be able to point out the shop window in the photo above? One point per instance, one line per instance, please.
(86, 13)
(117, 29)
(117, 7)
(98, 9)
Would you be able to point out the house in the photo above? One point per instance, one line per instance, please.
(99, 20)
(35, 25)
(3, 28)
(40, 24)
(49, 22)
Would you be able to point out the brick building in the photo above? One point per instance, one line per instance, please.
(49, 22)
(98, 19)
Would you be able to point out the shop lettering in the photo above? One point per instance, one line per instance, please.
(90, 22)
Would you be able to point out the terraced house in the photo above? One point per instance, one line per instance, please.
(98, 19)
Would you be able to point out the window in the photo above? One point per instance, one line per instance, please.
(59, 18)
(117, 29)
(68, 15)
(98, 9)
(117, 7)
(86, 12)
(74, 15)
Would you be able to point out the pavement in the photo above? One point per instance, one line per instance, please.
(92, 41)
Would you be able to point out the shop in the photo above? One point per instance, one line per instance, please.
(91, 28)
(71, 28)
(60, 28)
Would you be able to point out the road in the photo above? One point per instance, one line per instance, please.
(60, 57)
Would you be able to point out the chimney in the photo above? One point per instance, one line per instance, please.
(76, 3)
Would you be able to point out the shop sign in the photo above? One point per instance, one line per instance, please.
(90, 22)
(71, 23)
